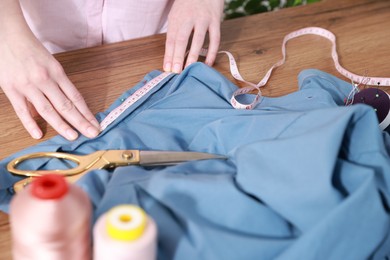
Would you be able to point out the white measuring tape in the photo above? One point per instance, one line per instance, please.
(252, 86)
(114, 114)
(305, 31)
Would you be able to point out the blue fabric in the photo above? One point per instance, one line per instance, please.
(307, 178)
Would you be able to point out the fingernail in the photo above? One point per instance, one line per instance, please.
(92, 132)
(176, 68)
(167, 67)
(95, 123)
(71, 134)
(36, 134)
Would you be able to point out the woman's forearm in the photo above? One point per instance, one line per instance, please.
(12, 22)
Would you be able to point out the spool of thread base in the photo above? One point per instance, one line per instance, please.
(50, 219)
(125, 233)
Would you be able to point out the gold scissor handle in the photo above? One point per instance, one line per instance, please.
(83, 162)
(96, 160)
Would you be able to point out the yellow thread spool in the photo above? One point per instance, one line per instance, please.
(126, 222)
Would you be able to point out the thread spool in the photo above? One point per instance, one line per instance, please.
(51, 219)
(125, 232)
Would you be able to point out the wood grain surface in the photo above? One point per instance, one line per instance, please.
(362, 28)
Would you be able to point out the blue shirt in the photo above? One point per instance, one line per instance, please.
(306, 178)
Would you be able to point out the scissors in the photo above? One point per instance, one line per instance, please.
(103, 159)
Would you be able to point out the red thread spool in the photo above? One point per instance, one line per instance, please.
(49, 187)
(51, 219)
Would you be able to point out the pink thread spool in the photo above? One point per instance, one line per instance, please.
(51, 219)
(125, 233)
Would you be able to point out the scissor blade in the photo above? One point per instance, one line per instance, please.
(155, 158)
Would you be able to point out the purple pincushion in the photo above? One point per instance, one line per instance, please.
(379, 100)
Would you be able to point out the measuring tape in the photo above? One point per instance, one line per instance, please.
(114, 114)
(305, 31)
(252, 86)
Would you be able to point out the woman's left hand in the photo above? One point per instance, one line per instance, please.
(197, 17)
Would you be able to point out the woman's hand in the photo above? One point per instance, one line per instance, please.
(197, 17)
(32, 78)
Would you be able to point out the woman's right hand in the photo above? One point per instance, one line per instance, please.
(32, 78)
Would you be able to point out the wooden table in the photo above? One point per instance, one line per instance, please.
(102, 73)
